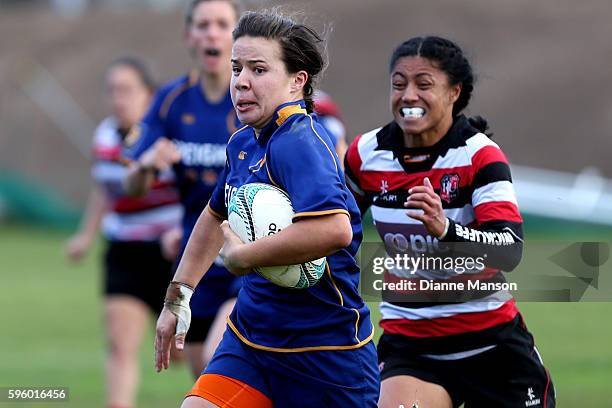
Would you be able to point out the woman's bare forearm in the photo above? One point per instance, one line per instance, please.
(202, 248)
(97, 205)
(305, 240)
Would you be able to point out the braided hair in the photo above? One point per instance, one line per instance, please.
(450, 59)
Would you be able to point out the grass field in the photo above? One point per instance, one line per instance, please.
(52, 332)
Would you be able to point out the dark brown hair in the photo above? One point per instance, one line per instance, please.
(301, 46)
(450, 59)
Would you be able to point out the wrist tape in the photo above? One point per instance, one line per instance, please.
(177, 300)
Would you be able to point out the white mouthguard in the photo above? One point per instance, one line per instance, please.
(413, 112)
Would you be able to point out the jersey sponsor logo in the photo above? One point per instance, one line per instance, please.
(485, 237)
(229, 193)
(388, 198)
(188, 119)
(415, 243)
(449, 187)
(532, 401)
(201, 154)
(384, 186)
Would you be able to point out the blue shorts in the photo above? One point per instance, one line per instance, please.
(212, 292)
(338, 378)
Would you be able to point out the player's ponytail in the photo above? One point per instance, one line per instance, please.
(480, 124)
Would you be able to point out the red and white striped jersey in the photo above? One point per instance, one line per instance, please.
(472, 177)
(131, 218)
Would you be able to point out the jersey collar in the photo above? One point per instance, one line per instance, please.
(418, 158)
(390, 138)
(281, 115)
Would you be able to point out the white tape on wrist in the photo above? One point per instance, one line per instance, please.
(178, 304)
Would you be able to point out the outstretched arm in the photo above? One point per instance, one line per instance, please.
(81, 241)
(202, 249)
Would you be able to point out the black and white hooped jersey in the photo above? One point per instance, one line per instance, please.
(472, 177)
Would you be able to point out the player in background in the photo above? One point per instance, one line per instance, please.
(329, 115)
(456, 184)
(135, 272)
(283, 347)
(186, 130)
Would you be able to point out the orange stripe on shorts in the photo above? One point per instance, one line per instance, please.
(227, 392)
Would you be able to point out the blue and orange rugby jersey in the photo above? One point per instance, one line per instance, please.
(295, 153)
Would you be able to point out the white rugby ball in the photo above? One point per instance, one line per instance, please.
(257, 210)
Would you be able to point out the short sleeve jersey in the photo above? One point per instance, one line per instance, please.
(294, 153)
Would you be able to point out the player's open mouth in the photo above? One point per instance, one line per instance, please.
(244, 106)
(212, 52)
(412, 113)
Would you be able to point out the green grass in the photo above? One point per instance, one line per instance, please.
(574, 340)
(52, 333)
(51, 324)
